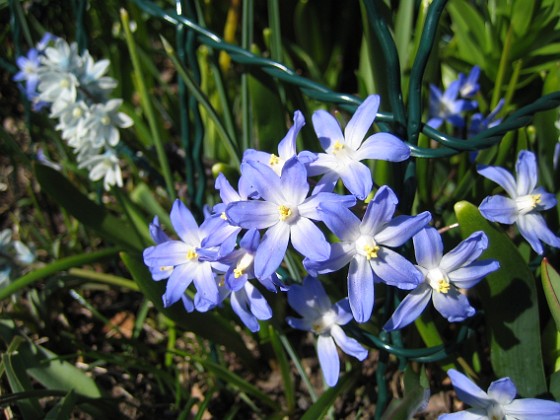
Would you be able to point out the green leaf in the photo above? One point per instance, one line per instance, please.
(509, 301)
(86, 211)
(220, 330)
(521, 16)
(63, 409)
(551, 285)
(319, 409)
(416, 394)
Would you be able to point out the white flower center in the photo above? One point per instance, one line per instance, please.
(77, 112)
(191, 254)
(287, 214)
(323, 324)
(105, 120)
(438, 280)
(527, 203)
(242, 265)
(366, 246)
(342, 152)
(495, 412)
(276, 163)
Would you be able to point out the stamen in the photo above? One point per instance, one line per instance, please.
(105, 120)
(443, 286)
(274, 160)
(166, 268)
(191, 254)
(223, 216)
(237, 272)
(371, 251)
(337, 147)
(528, 203)
(77, 112)
(284, 212)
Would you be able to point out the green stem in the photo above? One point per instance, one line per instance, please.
(104, 278)
(504, 59)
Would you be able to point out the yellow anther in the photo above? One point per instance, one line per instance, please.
(77, 112)
(165, 268)
(105, 120)
(191, 254)
(284, 212)
(237, 272)
(274, 160)
(223, 216)
(536, 199)
(338, 146)
(443, 286)
(371, 251)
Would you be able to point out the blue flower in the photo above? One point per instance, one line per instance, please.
(365, 245)
(499, 402)
(29, 72)
(525, 201)
(285, 211)
(183, 261)
(345, 151)
(479, 123)
(468, 85)
(443, 276)
(446, 107)
(324, 319)
(286, 148)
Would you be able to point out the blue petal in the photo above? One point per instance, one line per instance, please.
(177, 284)
(324, 163)
(503, 391)
(533, 228)
(340, 256)
(304, 324)
(309, 241)
(357, 178)
(361, 122)
(348, 345)
(294, 181)
(497, 208)
(379, 211)
(184, 223)
(467, 277)
(533, 408)
(547, 200)
(341, 221)
(452, 305)
(310, 208)
(326, 183)
(327, 129)
(402, 228)
(287, 147)
(167, 253)
(410, 308)
(272, 249)
(360, 289)
(428, 248)
(501, 177)
(227, 192)
(206, 284)
(310, 299)
(256, 156)
(257, 303)
(240, 305)
(465, 253)
(253, 214)
(343, 311)
(526, 168)
(470, 414)
(328, 359)
(250, 241)
(264, 180)
(383, 146)
(467, 390)
(435, 122)
(157, 233)
(395, 270)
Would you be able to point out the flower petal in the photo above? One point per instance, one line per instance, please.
(310, 207)
(361, 122)
(533, 228)
(309, 241)
(526, 168)
(310, 299)
(253, 214)
(497, 208)
(379, 211)
(383, 146)
(264, 181)
(465, 253)
(360, 289)
(178, 282)
(167, 253)
(272, 249)
(240, 305)
(340, 256)
(467, 390)
(503, 391)
(470, 414)
(395, 270)
(402, 228)
(327, 129)
(328, 359)
(348, 345)
(501, 177)
(287, 146)
(533, 408)
(357, 178)
(184, 223)
(452, 305)
(258, 304)
(467, 277)
(410, 308)
(304, 324)
(341, 221)
(227, 192)
(205, 284)
(343, 311)
(428, 248)
(294, 181)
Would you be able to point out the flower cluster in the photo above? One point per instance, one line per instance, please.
(457, 99)
(74, 87)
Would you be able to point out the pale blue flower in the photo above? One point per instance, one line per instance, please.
(443, 276)
(498, 403)
(480, 123)
(524, 203)
(468, 85)
(285, 211)
(324, 319)
(344, 152)
(366, 246)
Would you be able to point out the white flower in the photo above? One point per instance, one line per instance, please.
(104, 166)
(61, 57)
(102, 123)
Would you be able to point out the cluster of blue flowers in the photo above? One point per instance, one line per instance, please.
(275, 198)
(450, 106)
